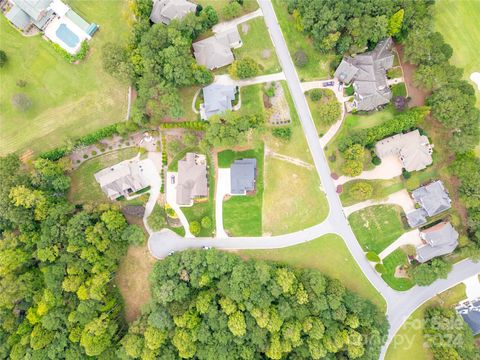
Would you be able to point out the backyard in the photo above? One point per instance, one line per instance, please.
(67, 100)
(329, 255)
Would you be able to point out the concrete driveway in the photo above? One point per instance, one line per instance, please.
(223, 26)
(400, 198)
(409, 238)
(223, 188)
(171, 195)
(389, 168)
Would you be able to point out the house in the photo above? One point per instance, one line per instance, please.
(367, 73)
(433, 199)
(164, 11)
(217, 99)
(216, 51)
(470, 312)
(440, 239)
(414, 150)
(122, 179)
(243, 176)
(59, 23)
(192, 179)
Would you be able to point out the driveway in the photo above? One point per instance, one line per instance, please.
(223, 188)
(389, 168)
(400, 198)
(171, 196)
(409, 238)
(234, 23)
(227, 79)
(472, 287)
(151, 173)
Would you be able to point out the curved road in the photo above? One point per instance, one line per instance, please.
(399, 304)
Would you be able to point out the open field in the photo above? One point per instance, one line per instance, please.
(408, 343)
(329, 255)
(285, 211)
(67, 100)
(242, 215)
(257, 45)
(132, 280)
(318, 65)
(84, 188)
(376, 227)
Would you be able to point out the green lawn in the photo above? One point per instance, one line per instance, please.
(381, 189)
(218, 5)
(257, 45)
(408, 343)
(391, 262)
(84, 188)
(329, 255)
(325, 112)
(252, 99)
(318, 65)
(68, 100)
(457, 21)
(376, 227)
(186, 97)
(242, 215)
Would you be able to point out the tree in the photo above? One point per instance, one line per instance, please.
(236, 324)
(426, 273)
(361, 191)
(434, 76)
(116, 62)
(195, 228)
(211, 15)
(134, 235)
(244, 68)
(97, 335)
(3, 58)
(231, 10)
(395, 22)
(316, 94)
(156, 220)
(352, 168)
(206, 222)
(354, 152)
(21, 102)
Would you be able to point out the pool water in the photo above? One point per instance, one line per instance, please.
(67, 36)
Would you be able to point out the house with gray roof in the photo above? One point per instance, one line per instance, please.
(26, 13)
(217, 99)
(243, 175)
(192, 179)
(440, 239)
(122, 179)
(368, 74)
(216, 51)
(164, 11)
(432, 200)
(470, 313)
(413, 150)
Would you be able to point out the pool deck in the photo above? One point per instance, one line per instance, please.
(51, 33)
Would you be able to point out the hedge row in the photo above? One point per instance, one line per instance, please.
(194, 125)
(80, 55)
(402, 122)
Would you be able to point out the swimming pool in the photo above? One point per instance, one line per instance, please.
(67, 36)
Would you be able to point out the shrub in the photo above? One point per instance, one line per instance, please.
(300, 58)
(55, 154)
(156, 220)
(195, 228)
(244, 68)
(270, 91)
(380, 268)
(284, 133)
(3, 58)
(85, 156)
(94, 153)
(406, 175)
(354, 152)
(361, 190)
(349, 90)
(21, 102)
(231, 10)
(316, 94)
(80, 55)
(206, 222)
(352, 168)
(426, 273)
(376, 160)
(394, 73)
(21, 83)
(144, 190)
(373, 257)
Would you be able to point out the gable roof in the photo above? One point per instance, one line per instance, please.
(164, 11)
(441, 239)
(215, 51)
(242, 176)
(218, 98)
(417, 217)
(413, 149)
(192, 179)
(433, 198)
(18, 17)
(36, 9)
(368, 73)
(471, 315)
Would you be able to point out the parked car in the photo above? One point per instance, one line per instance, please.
(328, 83)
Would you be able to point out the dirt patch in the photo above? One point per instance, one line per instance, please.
(132, 280)
(266, 53)
(401, 272)
(417, 95)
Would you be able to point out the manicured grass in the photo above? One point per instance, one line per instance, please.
(67, 100)
(381, 189)
(399, 90)
(376, 227)
(186, 97)
(242, 215)
(329, 255)
(325, 112)
(391, 262)
(286, 211)
(173, 164)
(408, 343)
(394, 73)
(84, 187)
(458, 22)
(252, 100)
(257, 45)
(218, 5)
(318, 65)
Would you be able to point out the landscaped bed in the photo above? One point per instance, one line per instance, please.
(397, 259)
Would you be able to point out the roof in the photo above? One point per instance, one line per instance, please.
(433, 198)
(218, 98)
(215, 51)
(368, 73)
(121, 179)
(471, 315)
(192, 179)
(18, 17)
(441, 239)
(242, 176)
(417, 217)
(413, 149)
(164, 11)
(36, 9)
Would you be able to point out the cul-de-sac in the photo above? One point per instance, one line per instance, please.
(240, 179)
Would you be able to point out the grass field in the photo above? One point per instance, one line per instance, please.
(381, 189)
(376, 227)
(391, 262)
(408, 343)
(257, 45)
(242, 215)
(84, 188)
(457, 21)
(318, 65)
(67, 100)
(329, 255)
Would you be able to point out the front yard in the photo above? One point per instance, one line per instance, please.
(396, 260)
(325, 111)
